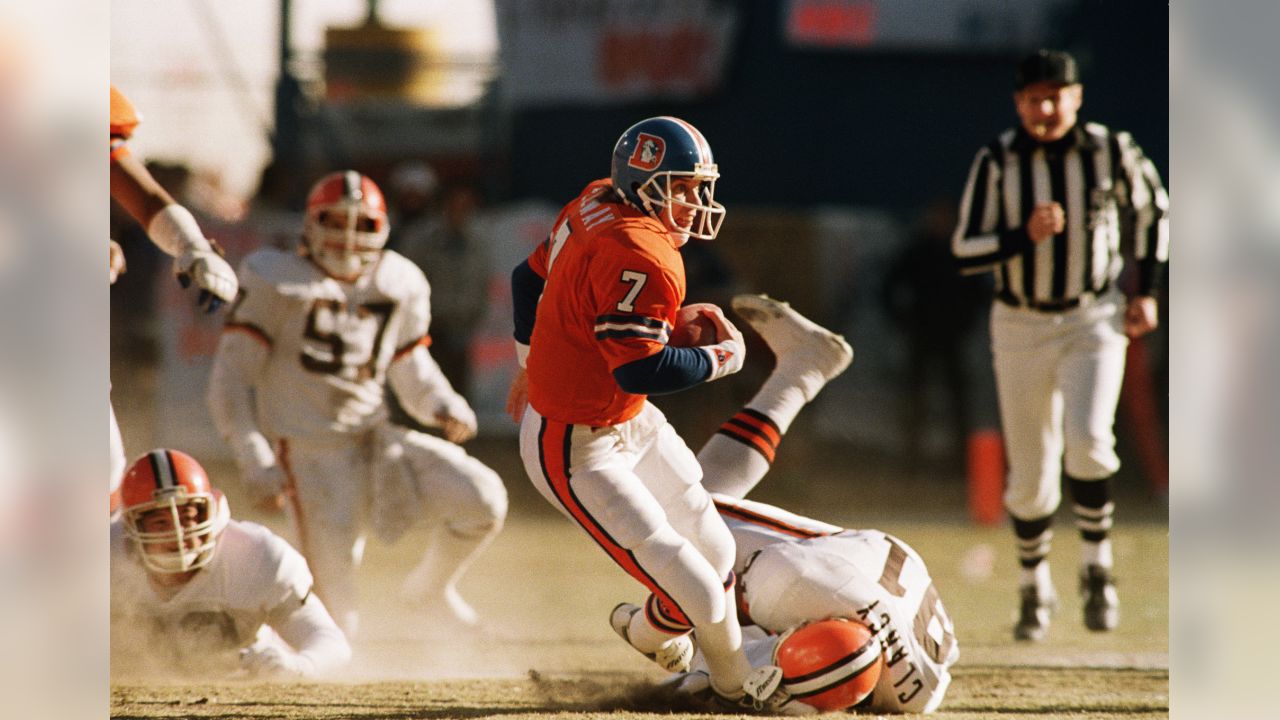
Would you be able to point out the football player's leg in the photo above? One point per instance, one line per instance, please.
(672, 473)
(324, 507)
(465, 503)
(737, 457)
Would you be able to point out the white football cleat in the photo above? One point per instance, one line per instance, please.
(674, 656)
(804, 349)
(762, 694)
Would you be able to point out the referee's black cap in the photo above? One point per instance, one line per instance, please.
(1055, 66)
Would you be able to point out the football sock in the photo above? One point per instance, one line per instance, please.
(1035, 538)
(1093, 509)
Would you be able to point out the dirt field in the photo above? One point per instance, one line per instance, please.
(547, 651)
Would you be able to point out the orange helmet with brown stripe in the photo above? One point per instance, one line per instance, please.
(171, 512)
(346, 224)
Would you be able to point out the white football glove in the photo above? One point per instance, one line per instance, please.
(727, 355)
(273, 661)
(457, 420)
(262, 476)
(211, 274)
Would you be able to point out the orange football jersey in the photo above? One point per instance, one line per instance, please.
(614, 280)
(124, 118)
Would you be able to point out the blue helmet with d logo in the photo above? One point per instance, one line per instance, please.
(654, 152)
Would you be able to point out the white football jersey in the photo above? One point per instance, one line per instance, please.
(254, 574)
(866, 575)
(755, 525)
(330, 342)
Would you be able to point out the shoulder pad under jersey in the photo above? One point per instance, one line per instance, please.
(398, 277)
(274, 267)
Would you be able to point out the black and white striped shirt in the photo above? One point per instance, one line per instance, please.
(1106, 187)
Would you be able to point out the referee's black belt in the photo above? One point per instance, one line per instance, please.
(1044, 306)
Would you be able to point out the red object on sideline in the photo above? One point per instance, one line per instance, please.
(986, 476)
(1138, 401)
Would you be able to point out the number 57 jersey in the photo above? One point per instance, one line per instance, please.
(814, 571)
(329, 343)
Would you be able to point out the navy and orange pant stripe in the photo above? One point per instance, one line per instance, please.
(755, 430)
(554, 446)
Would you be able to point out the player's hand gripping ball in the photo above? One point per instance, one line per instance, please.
(693, 327)
(829, 664)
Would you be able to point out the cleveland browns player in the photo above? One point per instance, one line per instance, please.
(195, 592)
(298, 392)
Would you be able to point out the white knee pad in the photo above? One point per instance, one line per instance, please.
(679, 569)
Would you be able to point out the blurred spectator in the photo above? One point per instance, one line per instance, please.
(457, 265)
(936, 309)
(413, 185)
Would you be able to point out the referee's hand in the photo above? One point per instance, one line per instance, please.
(1047, 220)
(1140, 317)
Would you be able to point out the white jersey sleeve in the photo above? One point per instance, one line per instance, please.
(876, 579)
(421, 387)
(243, 350)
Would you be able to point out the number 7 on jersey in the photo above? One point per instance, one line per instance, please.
(637, 280)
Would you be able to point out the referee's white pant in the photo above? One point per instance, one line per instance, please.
(1058, 376)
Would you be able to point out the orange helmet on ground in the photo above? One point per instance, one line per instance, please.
(155, 494)
(830, 664)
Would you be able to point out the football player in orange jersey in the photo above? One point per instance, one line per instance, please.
(170, 225)
(594, 307)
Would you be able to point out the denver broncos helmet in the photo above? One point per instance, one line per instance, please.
(168, 482)
(653, 152)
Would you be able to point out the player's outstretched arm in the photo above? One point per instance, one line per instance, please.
(318, 644)
(174, 230)
(428, 397)
(236, 366)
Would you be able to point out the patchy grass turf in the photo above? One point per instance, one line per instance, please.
(547, 651)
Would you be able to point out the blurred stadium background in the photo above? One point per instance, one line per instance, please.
(843, 128)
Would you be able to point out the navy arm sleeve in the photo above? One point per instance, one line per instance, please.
(671, 370)
(526, 288)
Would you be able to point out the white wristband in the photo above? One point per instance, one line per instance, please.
(175, 231)
(726, 358)
(522, 353)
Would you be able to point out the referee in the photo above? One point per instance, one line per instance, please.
(1045, 207)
